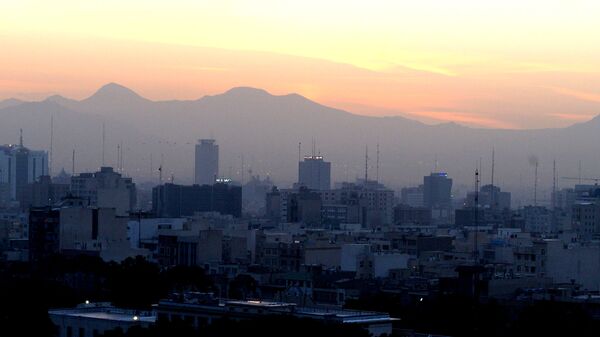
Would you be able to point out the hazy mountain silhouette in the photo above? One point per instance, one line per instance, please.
(267, 129)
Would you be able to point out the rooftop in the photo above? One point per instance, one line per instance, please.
(105, 311)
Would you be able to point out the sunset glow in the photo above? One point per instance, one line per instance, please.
(510, 64)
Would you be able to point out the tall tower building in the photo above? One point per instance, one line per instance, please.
(20, 166)
(437, 190)
(207, 162)
(314, 173)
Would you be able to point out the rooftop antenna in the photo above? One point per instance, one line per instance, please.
(103, 140)
(151, 166)
(73, 163)
(366, 163)
(51, 144)
(118, 164)
(480, 168)
(377, 169)
(21, 137)
(475, 250)
(535, 185)
(492, 179)
(299, 152)
(580, 172)
(554, 184)
(435, 163)
(314, 146)
(160, 168)
(242, 169)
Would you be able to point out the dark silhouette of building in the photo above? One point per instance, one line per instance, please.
(437, 190)
(407, 215)
(44, 233)
(42, 193)
(171, 200)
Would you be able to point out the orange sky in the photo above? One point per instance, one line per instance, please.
(510, 64)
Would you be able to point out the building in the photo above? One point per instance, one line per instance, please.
(42, 192)
(106, 189)
(314, 173)
(73, 227)
(201, 309)
(409, 215)
(174, 201)
(489, 196)
(412, 196)
(94, 319)
(437, 190)
(586, 218)
(20, 166)
(304, 206)
(207, 162)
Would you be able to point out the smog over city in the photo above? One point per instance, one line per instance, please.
(344, 168)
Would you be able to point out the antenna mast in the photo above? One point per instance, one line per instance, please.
(366, 163)
(535, 185)
(103, 140)
(475, 250)
(377, 169)
(492, 180)
(73, 163)
(51, 144)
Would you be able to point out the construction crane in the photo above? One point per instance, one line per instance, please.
(595, 180)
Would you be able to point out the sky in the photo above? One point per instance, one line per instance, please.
(492, 64)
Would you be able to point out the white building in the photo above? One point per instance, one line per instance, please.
(314, 173)
(107, 189)
(207, 162)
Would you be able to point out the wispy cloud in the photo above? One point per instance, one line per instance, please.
(583, 95)
(465, 118)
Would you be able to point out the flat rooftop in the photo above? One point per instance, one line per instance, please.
(105, 312)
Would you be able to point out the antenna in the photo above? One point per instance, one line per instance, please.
(554, 184)
(21, 137)
(580, 172)
(366, 163)
(242, 169)
(435, 163)
(51, 144)
(535, 185)
(160, 168)
(480, 168)
(377, 170)
(475, 250)
(103, 140)
(492, 180)
(73, 164)
(299, 152)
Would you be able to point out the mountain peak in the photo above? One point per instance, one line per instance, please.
(249, 91)
(114, 92)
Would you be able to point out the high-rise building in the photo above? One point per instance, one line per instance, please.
(314, 173)
(170, 200)
(437, 190)
(107, 189)
(20, 166)
(207, 162)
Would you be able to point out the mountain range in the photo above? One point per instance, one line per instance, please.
(270, 132)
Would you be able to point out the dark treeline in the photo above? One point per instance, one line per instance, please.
(459, 316)
(27, 292)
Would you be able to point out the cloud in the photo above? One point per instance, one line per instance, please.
(582, 95)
